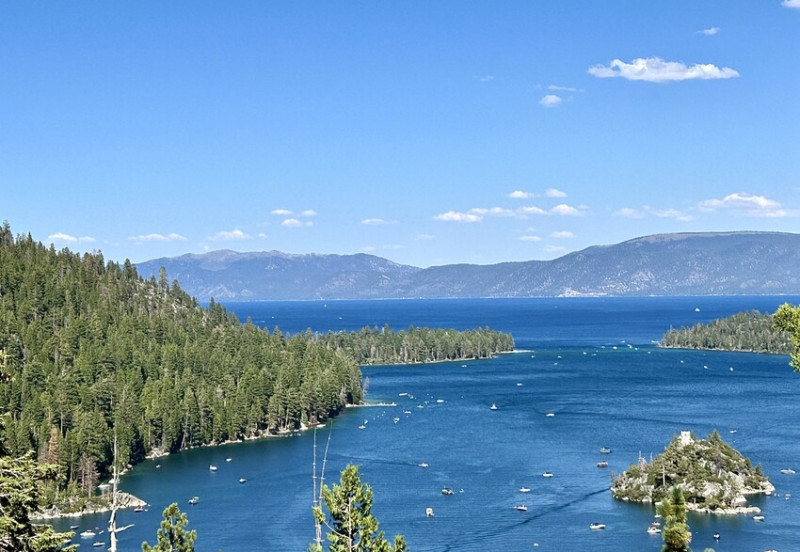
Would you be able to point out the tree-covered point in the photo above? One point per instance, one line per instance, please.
(746, 331)
(384, 346)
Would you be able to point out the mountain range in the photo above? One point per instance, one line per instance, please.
(719, 263)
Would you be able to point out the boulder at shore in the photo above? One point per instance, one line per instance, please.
(714, 477)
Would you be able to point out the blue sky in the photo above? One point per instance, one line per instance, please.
(425, 132)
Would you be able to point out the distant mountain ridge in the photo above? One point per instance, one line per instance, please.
(718, 263)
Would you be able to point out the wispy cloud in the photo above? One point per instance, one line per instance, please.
(711, 31)
(455, 216)
(263, 236)
(550, 100)
(557, 88)
(485, 78)
(376, 221)
(308, 213)
(62, 237)
(530, 238)
(655, 69)
(791, 4)
(647, 211)
(519, 194)
(295, 223)
(424, 237)
(555, 249)
(553, 192)
(172, 236)
(281, 212)
(563, 234)
(492, 211)
(233, 235)
(746, 204)
(531, 210)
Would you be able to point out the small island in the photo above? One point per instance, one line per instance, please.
(752, 332)
(714, 477)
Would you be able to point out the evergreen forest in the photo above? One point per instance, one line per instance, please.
(750, 331)
(93, 350)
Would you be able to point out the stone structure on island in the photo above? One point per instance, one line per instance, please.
(714, 477)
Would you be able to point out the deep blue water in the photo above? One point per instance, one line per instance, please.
(589, 362)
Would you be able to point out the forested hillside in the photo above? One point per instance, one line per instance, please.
(90, 347)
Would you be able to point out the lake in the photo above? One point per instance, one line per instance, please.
(588, 375)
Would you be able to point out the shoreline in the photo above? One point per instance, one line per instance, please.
(125, 501)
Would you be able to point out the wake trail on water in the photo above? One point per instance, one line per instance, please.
(498, 530)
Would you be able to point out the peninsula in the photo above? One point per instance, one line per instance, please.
(714, 477)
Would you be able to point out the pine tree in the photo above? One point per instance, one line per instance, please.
(676, 532)
(352, 526)
(171, 535)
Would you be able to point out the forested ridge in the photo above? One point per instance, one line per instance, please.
(92, 349)
(750, 331)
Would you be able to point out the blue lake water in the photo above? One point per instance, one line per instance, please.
(591, 363)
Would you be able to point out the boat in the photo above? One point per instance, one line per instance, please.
(439, 401)
(228, 459)
(447, 491)
(194, 500)
(605, 450)
(597, 526)
(550, 414)
(139, 509)
(654, 530)
(212, 467)
(715, 536)
(423, 464)
(493, 407)
(406, 412)
(547, 474)
(242, 480)
(521, 508)
(362, 426)
(758, 518)
(788, 471)
(98, 544)
(87, 534)
(602, 464)
(73, 527)
(524, 489)
(429, 512)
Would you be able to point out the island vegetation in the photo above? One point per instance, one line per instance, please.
(751, 331)
(93, 351)
(712, 476)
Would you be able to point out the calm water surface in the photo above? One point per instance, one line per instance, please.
(590, 363)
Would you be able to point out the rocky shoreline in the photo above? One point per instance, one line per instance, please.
(96, 505)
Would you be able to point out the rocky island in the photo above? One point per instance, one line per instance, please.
(714, 477)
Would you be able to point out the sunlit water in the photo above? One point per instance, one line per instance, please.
(589, 363)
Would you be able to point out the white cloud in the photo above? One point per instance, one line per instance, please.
(485, 78)
(530, 238)
(791, 4)
(281, 212)
(747, 204)
(308, 213)
(61, 236)
(519, 194)
(455, 216)
(424, 237)
(655, 69)
(672, 213)
(550, 100)
(233, 235)
(368, 249)
(555, 249)
(262, 235)
(711, 31)
(172, 236)
(563, 234)
(553, 192)
(566, 210)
